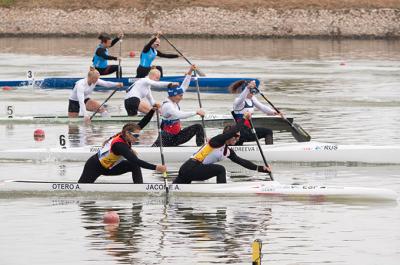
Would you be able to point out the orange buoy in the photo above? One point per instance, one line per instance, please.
(131, 54)
(7, 88)
(111, 217)
(38, 135)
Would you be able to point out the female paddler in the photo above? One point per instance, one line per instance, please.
(138, 96)
(246, 102)
(149, 53)
(80, 101)
(116, 156)
(101, 56)
(171, 131)
(202, 165)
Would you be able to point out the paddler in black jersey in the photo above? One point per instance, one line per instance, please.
(202, 165)
(116, 156)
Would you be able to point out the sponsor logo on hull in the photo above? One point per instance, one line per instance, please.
(326, 147)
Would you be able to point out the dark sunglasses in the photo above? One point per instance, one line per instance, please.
(136, 135)
(254, 91)
(237, 135)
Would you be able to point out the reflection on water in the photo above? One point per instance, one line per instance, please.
(212, 233)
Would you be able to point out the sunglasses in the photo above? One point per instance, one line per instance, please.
(254, 91)
(136, 135)
(237, 135)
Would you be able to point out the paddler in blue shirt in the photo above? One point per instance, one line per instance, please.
(101, 56)
(149, 53)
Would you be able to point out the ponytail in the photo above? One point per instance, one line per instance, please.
(237, 86)
(93, 72)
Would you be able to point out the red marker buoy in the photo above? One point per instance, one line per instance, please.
(38, 135)
(7, 88)
(111, 217)
(131, 54)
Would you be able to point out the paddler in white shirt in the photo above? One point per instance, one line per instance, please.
(141, 90)
(247, 102)
(80, 101)
(171, 129)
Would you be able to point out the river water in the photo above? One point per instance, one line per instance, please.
(344, 92)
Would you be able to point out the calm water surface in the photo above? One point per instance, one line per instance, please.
(342, 92)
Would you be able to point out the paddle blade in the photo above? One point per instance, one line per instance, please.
(299, 133)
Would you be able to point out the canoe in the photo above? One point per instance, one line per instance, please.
(287, 152)
(206, 84)
(265, 188)
(211, 120)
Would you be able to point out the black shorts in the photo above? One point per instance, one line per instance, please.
(73, 105)
(132, 106)
(142, 71)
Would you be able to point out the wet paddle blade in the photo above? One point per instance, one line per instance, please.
(299, 133)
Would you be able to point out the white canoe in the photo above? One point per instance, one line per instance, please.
(211, 120)
(265, 188)
(289, 152)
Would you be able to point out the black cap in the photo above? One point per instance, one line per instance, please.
(104, 36)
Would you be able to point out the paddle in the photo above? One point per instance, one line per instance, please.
(200, 105)
(162, 152)
(297, 131)
(119, 61)
(105, 101)
(259, 147)
(183, 56)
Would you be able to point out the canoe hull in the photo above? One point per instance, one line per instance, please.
(293, 152)
(211, 120)
(266, 188)
(207, 84)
